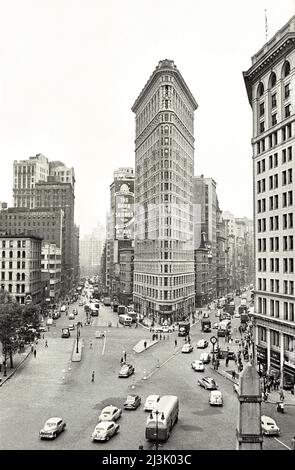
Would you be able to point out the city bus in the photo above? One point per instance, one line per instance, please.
(159, 426)
(125, 320)
(224, 328)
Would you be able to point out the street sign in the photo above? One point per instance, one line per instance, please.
(213, 339)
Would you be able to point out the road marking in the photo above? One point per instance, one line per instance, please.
(161, 365)
(278, 440)
(104, 345)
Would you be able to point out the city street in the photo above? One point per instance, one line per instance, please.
(51, 385)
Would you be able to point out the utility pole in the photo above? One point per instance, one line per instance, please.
(249, 433)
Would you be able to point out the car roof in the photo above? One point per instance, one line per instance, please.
(108, 408)
(215, 392)
(267, 418)
(104, 424)
(53, 420)
(153, 397)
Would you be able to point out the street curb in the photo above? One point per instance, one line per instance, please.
(225, 375)
(14, 370)
(144, 349)
(76, 357)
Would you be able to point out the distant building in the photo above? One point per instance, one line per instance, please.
(51, 264)
(120, 224)
(91, 247)
(270, 87)
(20, 267)
(26, 173)
(126, 256)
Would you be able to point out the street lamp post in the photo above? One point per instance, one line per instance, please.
(77, 341)
(157, 430)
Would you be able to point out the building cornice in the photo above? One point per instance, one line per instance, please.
(268, 60)
(164, 66)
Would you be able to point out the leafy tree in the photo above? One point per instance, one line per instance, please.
(10, 321)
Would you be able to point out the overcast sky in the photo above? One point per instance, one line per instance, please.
(70, 71)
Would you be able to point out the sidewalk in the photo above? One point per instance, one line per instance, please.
(18, 359)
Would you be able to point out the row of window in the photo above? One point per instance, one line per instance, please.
(273, 202)
(273, 181)
(275, 308)
(285, 133)
(274, 117)
(274, 265)
(287, 223)
(273, 160)
(274, 286)
(274, 245)
(275, 336)
(272, 81)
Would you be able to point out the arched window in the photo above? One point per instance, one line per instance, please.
(286, 69)
(24, 254)
(11, 254)
(23, 277)
(260, 90)
(18, 254)
(272, 80)
(18, 277)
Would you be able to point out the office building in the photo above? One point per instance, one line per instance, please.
(270, 86)
(164, 279)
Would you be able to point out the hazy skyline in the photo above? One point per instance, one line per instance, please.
(71, 70)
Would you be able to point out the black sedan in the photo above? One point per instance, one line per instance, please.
(132, 402)
(208, 383)
(126, 370)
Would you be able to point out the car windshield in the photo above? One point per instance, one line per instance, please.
(99, 429)
(107, 412)
(50, 425)
(130, 398)
(269, 423)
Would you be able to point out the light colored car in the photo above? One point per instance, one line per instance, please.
(99, 334)
(81, 303)
(71, 327)
(71, 316)
(269, 426)
(104, 431)
(110, 413)
(49, 322)
(215, 325)
(208, 383)
(51, 428)
(237, 315)
(205, 357)
(215, 398)
(126, 370)
(198, 366)
(151, 402)
(202, 344)
(167, 329)
(187, 348)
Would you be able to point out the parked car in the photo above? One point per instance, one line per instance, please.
(208, 383)
(187, 348)
(51, 428)
(104, 431)
(205, 357)
(198, 366)
(99, 334)
(110, 413)
(49, 322)
(269, 426)
(151, 402)
(71, 327)
(215, 398)
(132, 402)
(126, 370)
(202, 344)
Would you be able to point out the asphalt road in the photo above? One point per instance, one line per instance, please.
(51, 385)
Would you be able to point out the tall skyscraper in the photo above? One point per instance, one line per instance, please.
(270, 86)
(26, 173)
(164, 169)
